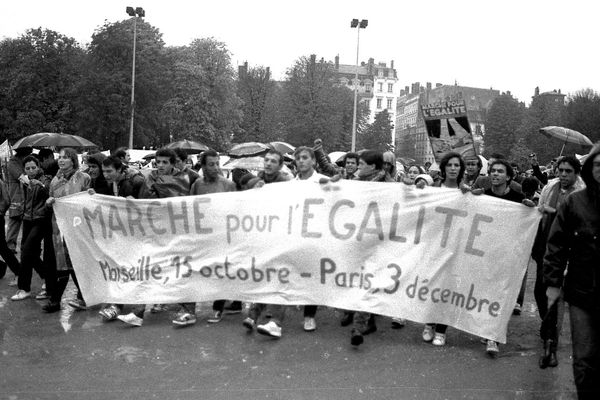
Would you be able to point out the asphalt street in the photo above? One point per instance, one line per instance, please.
(75, 355)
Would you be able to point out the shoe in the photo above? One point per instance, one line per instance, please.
(51, 307)
(428, 333)
(269, 329)
(347, 318)
(109, 313)
(216, 318)
(131, 319)
(42, 294)
(249, 324)
(356, 338)
(517, 309)
(44, 286)
(184, 319)
(21, 295)
(234, 308)
(398, 323)
(492, 348)
(78, 304)
(14, 282)
(156, 308)
(439, 339)
(310, 324)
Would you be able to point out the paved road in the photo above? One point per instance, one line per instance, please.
(74, 355)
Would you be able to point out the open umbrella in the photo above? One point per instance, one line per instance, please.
(50, 139)
(282, 147)
(337, 156)
(189, 146)
(248, 149)
(255, 163)
(566, 135)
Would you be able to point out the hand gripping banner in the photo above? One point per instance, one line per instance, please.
(428, 255)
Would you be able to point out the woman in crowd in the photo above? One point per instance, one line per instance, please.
(68, 180)
(98, 182)
(412, 173)
(452, 169)
(37, 226)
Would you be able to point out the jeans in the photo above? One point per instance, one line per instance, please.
(585, 334)
(34, 231)
(310, 311)
(7, 254)
(521, 295)
(12, 232)
(551, 319)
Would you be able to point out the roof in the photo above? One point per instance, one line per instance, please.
(351, 69)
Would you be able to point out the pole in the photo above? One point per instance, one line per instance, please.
(353, 148)
(133, 84)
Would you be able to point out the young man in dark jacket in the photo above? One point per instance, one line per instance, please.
(574, 240)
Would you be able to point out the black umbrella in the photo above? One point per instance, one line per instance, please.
(189, 146)
(50, 139)
(248, 149)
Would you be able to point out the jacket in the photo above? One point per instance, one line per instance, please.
(34, 198)
(130, 184)
(574, 240)
(62, 185)
(14, 171)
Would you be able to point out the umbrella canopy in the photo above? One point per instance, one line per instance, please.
(337, 156)
(255, 163)
(566, 135)
(282, 147)
(248, 149)
(189, 146)
(50, 139)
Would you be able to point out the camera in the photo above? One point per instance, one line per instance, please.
(532, 155)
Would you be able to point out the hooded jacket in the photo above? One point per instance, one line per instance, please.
(574, 240)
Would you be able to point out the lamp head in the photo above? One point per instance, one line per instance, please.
(354, 23)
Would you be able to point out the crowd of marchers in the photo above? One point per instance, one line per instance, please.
(566, 248)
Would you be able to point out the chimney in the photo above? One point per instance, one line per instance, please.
(268, 77)
(437, 85)
(406, 89)
(337, 62)
(370, 65)
(428, 86)
(242, 70)
(537, 91)
(402, 92)
(392, 64)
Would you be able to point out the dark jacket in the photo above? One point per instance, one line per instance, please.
(34, 198)
(574, 240)
(4, 198)
(130, 184)
(14, 171)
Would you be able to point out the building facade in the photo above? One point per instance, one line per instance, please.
(377, 86)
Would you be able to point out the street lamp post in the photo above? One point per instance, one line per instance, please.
(356, 24)
(137, 12)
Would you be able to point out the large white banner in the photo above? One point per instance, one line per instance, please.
(430, 255)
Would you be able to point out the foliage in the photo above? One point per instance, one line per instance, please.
(378, 135)
(583, 113)
(503, 120)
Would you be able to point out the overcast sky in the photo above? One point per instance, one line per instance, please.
(511, 45)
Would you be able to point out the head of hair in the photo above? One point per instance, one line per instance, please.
(181, 154)
(572, 161)
(277, 153)
(246, 178)
(510, 172)
(372, 157)
(497, 156)
(446, 159)
(207, 153)
(96, 159)
(45, 153)
(164, 152)
(530, 185)
(23, 151)
(591, 185)
(113, 161)
(351, 155)
(31, 158)
(72, 154)
(307, 149)
(121, 152)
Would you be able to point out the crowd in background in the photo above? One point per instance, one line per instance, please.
(565, 192)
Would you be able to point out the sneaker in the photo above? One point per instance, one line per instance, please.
(234, 308)
(428, 333)
(492, 348)
(42, 294)
(517, 309)
(21, 295)
(269, 329)
(356, 338)
(109, 313)
(184, 319)
(78, 304)
(398, 323)
(249, 324)
(131, 319)
(14, 282)
(439, 339)
(51, 307)
(217, 316)
(156, 308)
(310, 324)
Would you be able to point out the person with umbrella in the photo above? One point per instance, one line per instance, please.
(574, 240)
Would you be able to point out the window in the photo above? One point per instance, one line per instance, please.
(380, 87)
(379, 101)
(389, 103)
(390, 87)
(367, 87)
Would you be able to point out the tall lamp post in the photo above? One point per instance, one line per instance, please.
(356, 24)
(137, 12)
